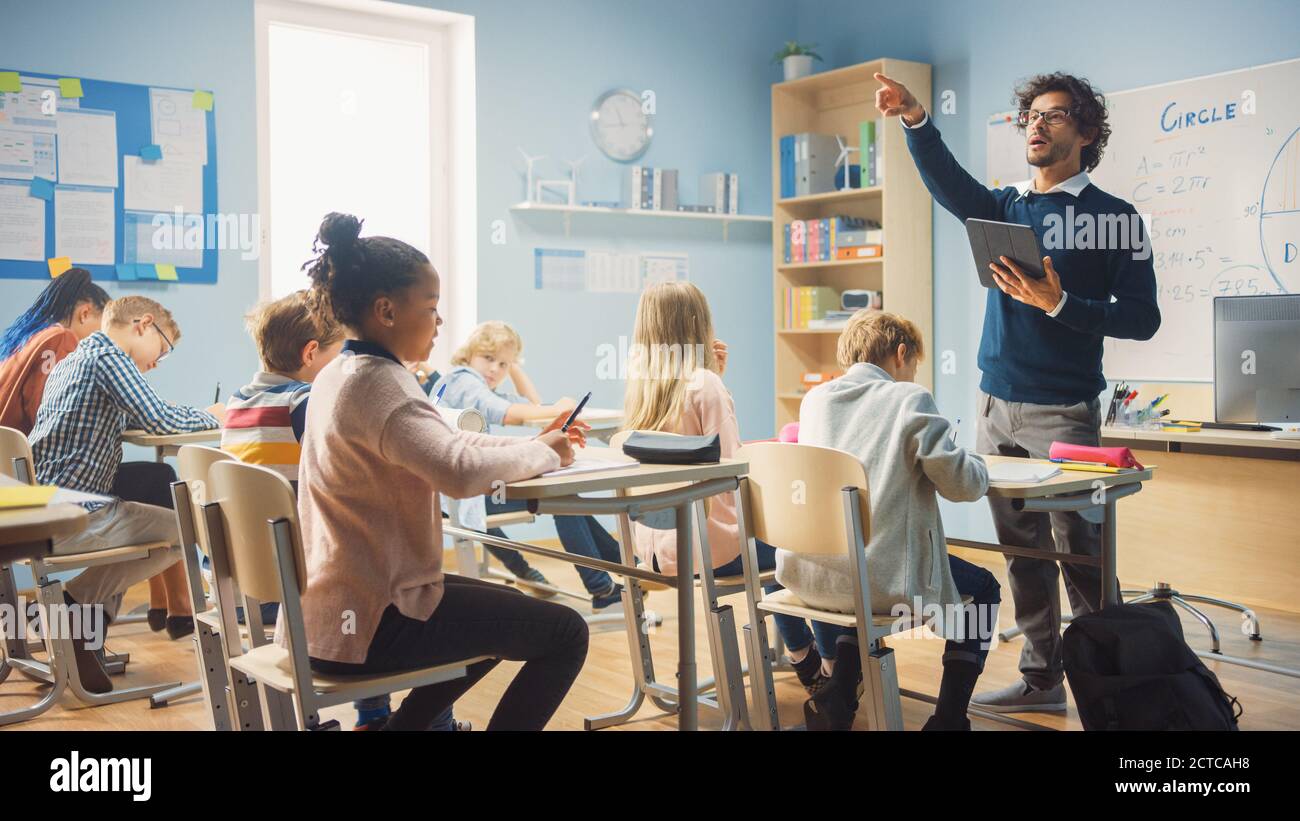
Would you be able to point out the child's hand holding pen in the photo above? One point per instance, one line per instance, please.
(577, 432)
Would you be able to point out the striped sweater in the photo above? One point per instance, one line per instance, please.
(264, 423)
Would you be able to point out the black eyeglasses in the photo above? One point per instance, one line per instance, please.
(170, 346)
(1052, 116)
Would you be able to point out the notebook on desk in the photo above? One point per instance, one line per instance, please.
(1022, 472)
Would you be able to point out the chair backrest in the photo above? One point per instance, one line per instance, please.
(14, 445)
(795, 496)
(250, 498)
(193, 463)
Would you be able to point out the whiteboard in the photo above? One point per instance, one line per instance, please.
(1004, 151)
(1211, 163)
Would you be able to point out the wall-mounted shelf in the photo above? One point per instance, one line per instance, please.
(639, 213)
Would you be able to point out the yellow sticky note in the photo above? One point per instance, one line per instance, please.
(9, 81)
(166, 273)
(58, 265)
(203, 100)
(69, 87)
(12, 496)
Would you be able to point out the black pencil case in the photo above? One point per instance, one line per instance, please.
(661, 449)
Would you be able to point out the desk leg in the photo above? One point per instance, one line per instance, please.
(688, 707)
(1109, 565)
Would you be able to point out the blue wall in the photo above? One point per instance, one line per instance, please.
(979, 51)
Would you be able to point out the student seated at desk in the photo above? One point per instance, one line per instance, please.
(93, 395)
(376, 455)
(482, 364)
(674, 384)
(876, 412)
(70, 309)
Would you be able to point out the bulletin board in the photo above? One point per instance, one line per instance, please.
(69, 145)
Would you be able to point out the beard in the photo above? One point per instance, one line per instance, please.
(1056, 151)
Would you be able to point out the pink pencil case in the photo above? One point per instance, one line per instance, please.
(1115, 457)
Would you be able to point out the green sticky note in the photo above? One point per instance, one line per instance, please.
(9, 81)
(166, 273)
(203, 100)
(69, 87)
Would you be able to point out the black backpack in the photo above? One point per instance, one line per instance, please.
(1130, 669)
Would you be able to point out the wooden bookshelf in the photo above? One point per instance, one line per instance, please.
(835, 102)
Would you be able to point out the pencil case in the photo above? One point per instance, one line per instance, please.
(662, 449)
(1115, 457)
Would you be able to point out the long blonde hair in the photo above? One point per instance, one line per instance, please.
(673, 337)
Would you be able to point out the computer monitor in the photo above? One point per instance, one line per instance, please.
(1257, 358)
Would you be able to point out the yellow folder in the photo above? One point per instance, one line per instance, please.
(15, 496)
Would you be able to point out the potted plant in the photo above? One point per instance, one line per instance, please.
(797, 59)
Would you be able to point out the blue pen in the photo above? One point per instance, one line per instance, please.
(441, 391)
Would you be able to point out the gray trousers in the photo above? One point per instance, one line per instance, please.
(1022, 429)
(120, 524)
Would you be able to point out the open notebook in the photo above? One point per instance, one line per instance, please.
(583, 463)
(1022, 472)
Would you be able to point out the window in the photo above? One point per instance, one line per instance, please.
(366, 107)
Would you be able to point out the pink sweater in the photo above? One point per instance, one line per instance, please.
(708, 409)
(375, 456)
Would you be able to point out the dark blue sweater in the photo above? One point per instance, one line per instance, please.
(1026, 355)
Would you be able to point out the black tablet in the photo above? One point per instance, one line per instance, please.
(990, 240)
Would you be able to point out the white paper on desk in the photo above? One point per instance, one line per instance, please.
(22, 222)
(64, 496)
(180, 129)
(162, 185)
(590, 464)
(83, 225)
(17, 154)
(1022, 472)
(87, 147)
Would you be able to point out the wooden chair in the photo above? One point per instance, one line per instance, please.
(188, 496)
(60, 669)
(252, 525)
(814, 500)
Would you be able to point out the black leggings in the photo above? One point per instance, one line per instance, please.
(476, 618)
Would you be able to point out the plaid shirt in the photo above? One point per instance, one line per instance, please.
(91, 396)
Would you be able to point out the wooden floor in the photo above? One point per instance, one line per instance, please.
(1272, 702)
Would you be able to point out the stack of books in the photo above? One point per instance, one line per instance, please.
(808, 304)
(821, 240)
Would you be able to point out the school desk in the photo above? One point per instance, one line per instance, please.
(562, 495)
(1091, 495)
(167, 444)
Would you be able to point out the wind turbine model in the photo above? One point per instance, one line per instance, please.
(843, 159)
(528, 177)
(573, 178)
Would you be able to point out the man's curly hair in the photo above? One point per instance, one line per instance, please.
(1088, 109)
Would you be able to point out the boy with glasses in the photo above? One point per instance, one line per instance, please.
(91, 397)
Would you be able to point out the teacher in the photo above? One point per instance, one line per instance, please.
(1041, 347)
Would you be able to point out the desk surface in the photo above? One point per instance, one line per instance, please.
(29, 525)
(622, 477)
(1068, 481)
(150, 440)
(1206, 436)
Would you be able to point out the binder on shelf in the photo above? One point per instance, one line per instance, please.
(815, 156)
(787, 166)
(733, 193)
